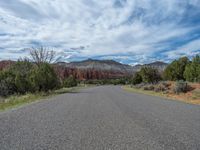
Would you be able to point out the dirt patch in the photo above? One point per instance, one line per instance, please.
(191, 96)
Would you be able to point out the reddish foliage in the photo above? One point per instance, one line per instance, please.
(5, 64)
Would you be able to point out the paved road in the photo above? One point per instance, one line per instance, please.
(101, 118)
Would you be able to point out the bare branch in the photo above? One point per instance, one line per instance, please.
(43, 55)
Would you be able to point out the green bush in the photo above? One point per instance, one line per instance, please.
(22, 70)
(43, 78)
(23, 77)
(175, 70)
(70, 82)
(15, 78)
(150, 75)
(192, 70)
(7, 84)
(181, 87)
(137, 79)
(120, 81)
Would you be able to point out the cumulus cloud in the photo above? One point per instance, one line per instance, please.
(130, 31)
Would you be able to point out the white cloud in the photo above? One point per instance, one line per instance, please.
(139, 27)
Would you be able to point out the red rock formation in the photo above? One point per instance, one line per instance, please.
(80, 74)
(86, 74)
(5, 64)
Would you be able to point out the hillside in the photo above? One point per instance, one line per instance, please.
(95, 69)
(100, 69)
(103, 65)
(157, 64)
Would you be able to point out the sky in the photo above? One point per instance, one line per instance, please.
(128, 31)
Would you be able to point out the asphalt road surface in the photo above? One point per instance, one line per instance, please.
(101, 118)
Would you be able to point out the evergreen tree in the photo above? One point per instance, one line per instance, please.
(192, 71)
(44, 78)
(149, 75)
(137, 79)
(175, 70)
(70, 82)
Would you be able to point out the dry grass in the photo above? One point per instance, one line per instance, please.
(18, 100)
(192, 96)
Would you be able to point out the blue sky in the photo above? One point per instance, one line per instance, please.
(129, 31)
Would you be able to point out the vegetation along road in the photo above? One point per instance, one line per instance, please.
(101, 118)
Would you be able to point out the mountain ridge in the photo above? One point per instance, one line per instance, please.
(95, 69)
(95, 64)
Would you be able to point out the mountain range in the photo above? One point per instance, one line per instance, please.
(96, 69)
(111, 65)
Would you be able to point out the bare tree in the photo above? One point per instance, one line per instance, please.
(43, 55)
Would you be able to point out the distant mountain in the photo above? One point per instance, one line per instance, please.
(95, 69)
(158, 65)
(102, 65)
(100, 69)
(111, 65)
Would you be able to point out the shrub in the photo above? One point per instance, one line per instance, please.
(137, 79)
(15, 78)
(120, 81)
(181, 87)
(7, 86)
(22, 70)
(70, 82)
(43, 78)
(139, 86)
(24, 77)
(150, 75)
(161, 87)
(148, 87)
(175, 70)
(192, 70)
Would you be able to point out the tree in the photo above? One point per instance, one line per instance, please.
(7, 85)
(43, 55)
(15, 78)
(44, 78)
(192, 70)
(22, 70)
(175, 70)
(70, 82)
(149, 75)
(137, 79)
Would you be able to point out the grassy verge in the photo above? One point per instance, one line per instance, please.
(193, 99)
(141, 91)
(18, 100)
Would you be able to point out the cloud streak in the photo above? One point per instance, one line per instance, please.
(138, 30)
